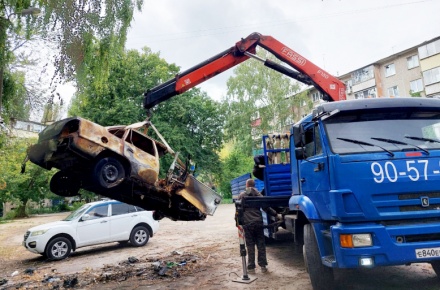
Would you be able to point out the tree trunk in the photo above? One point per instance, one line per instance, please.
(21, 209)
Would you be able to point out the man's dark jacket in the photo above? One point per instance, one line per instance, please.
(253, 215)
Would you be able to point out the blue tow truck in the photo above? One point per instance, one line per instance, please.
(364, 174)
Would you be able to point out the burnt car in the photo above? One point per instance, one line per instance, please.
(121, 162)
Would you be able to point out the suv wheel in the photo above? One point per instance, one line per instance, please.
(109, 172)
(139, 236)
(58, 248)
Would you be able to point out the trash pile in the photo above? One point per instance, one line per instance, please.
(154, 270)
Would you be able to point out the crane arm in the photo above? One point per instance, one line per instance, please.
(303, 70)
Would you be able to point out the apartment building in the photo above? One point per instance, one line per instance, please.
(414, 72)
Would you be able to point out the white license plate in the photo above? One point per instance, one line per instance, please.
(427, 253)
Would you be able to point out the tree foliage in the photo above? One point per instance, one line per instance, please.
(120, 99)
(89, 31)
(78, 36)
(16, 187)
(234, 165)
(15, 97)
(191, 123)
(258, 94)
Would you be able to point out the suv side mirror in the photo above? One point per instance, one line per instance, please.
(85, 217)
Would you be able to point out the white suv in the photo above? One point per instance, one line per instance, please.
(93, 223)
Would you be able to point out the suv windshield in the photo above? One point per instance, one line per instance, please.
(77, 213)
(399, 130)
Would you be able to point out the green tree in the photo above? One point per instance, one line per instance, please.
(15, 104)
(119, 101)
(235, 164)
(191, 123)
(80, 33)
(16, 187)
(256, 92)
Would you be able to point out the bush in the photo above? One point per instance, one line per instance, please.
(41, 210)
(62, 207)
(76, 205)
(10, 215)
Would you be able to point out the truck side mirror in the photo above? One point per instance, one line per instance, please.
(298, 135)
(300, 153)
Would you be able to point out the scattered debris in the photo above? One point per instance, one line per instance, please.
(156, 269)
(51, 279)
(133, 260)
(70, 282)
(29, 271)
(14, 273)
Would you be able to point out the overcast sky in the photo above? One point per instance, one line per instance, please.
(337, 35)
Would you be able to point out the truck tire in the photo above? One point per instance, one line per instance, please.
(109, 172)
(436, 267)
(321, 276)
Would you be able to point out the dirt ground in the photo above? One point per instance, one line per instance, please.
(182, 255)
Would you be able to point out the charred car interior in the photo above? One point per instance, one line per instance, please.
(121, 162)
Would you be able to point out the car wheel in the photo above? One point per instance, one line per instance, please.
(139, 236)
(58, 248)
(65, 184)
(109, 172)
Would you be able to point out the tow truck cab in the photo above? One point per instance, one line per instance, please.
(366, 176)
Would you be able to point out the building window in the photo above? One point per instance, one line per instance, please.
(390, 70)
(393, 92)
(431, 76)
(316, 96)
(429, 49)
(362, 75)
(366, 94)
(412, 61)
(416, 86)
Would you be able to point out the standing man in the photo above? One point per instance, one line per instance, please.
(253, 229)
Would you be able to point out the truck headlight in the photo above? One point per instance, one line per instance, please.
(356, 240)
(37, 233)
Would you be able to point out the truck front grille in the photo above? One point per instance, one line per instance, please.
(407, 202)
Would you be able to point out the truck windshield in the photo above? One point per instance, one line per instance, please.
(409, 129)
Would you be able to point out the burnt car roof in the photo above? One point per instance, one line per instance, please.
(53, 129)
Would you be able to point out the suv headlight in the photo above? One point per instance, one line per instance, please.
(38, 233)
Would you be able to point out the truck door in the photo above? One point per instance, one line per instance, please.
(314, 169)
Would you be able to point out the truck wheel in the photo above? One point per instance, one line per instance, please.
(436, 267)
(139, 236)
(109, 172)
(321, 276)
(65, 184)
(58, 248)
